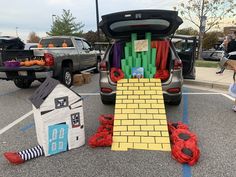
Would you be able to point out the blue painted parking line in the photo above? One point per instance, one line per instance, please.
(186, 169)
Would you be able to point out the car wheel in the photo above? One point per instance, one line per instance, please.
(176, 102)
(106, 102)
(23, 83)
(67, 76)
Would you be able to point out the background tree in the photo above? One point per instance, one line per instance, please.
(66, 25)
(206, 14)
(211, 39)
(187, 31)
(33, 37)
(92, 36)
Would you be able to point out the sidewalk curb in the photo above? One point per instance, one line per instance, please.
(211, 85)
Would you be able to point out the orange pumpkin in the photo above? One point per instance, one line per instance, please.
(40, 62)
(27, 63)
(22, 63)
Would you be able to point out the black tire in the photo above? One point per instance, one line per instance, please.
(176, 102)
(106, 102)
(23, 83)
(66, 76)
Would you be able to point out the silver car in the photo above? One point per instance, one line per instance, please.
(162, 24)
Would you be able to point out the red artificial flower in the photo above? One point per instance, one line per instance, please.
(106, 119)
(116, 74)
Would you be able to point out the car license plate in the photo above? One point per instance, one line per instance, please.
(22, 73)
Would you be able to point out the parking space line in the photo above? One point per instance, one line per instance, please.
(15, 122)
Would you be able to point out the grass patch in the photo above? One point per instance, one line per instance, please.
(207, 64)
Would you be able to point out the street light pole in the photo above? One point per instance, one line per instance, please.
(16, 32)
(97, 15)
(53, 18)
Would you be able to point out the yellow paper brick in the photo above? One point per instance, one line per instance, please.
(139, 101)
(138, 84)
(119, 139)
(127, 92)
(150, 84)
(122, 88)
(156, 88)
(133, 80)
(151, 101)
(161, 128)
(127, 133)
(144, 88)
(145, 97)
(115, 146)
(156, 133)
(152, 111)
(147, 139)
(128, 84)
(133, 88)
(117, 122)
(140, 146)
(123, 81)
(165, 133)
(128, 111)
(133, 139)
(163, 122)
(160, 101)
(154, 147)
(133, 97)
(118, 101)
(143, 106)
(134, 116)
(116, 133)
(133, 106)
(121, 97)
(159, 92)
(159, 116)
(150, 92)
(155, 80)
(162, 111)
(166, 147)
(147, 128)
(144, 80)
(118, 111)
(121, 116)
(153, 122)
(157, 97)
(158, 106)
(126, 145)
(120, 106)
(158, 84)
(120, 92)
(119, 128)
(141, 133)
(140, 111)
(128, 101)
(139, 92)
(127, 122)
(162, 140)
(133, 128)
(146, 116)
(140, 122)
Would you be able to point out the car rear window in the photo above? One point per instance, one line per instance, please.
(57, 42)
(139, 25)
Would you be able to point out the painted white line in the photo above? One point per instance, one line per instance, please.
(89, 94)
(15, 122)
(228, 96)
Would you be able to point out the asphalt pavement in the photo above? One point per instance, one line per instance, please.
(208, 113)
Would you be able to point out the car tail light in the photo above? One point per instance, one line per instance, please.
(49, 59)
(103, 66)
(106, 90)
(174, 90)
(177, 64)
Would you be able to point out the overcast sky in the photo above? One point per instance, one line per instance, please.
(24, 16)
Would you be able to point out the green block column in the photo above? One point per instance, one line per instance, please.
(153, 59)
(133, 38)
(149, 38)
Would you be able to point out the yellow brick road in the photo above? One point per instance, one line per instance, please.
(140, 116)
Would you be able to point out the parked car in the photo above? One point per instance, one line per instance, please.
(212, 54)
(60, 62)
(162, 24)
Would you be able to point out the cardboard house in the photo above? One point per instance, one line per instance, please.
(59, 117)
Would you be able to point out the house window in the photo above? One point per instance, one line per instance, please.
(61, 133)
(61, 102)
(54, 146)
(75, 120)
(60, 145)
(54, 134)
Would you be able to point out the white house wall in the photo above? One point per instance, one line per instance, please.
(38, 125)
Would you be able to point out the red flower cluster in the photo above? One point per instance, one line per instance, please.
(116, 74)
(184, 144)
(103, 137)
(162, 74)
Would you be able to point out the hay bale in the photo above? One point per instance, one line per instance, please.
(78, 79)
(87, 77)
